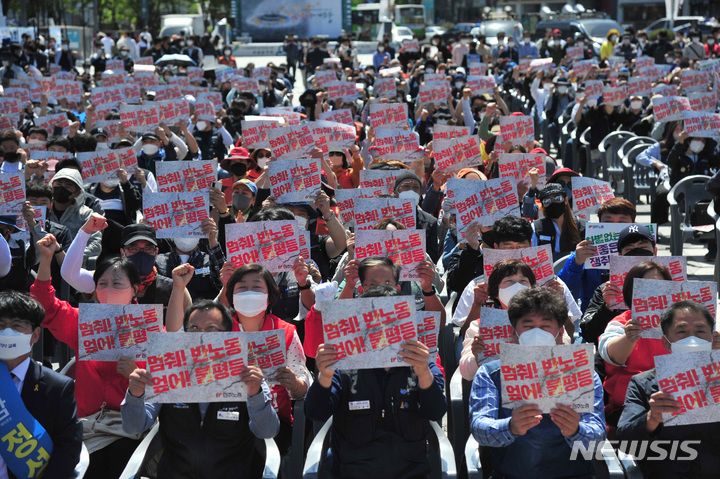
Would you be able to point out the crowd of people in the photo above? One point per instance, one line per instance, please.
(93, 244)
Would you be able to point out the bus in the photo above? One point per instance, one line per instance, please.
(366, 20)
(413, 17)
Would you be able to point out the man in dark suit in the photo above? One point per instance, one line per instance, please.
(47, 396)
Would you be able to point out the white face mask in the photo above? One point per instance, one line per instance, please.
(228, 52)
(436, 42)
(201, 125)
(527, 41)
(186, 244)
(302, 222)
(710, 41)
(581, 44)
(690, 344)
(551, 43)
(459, 84)
(6, 63)
(250, 303)
(410, 194)
(428, 70)
(124, 53)
(591, 103)
(511, 44)
(695, 39)
(696, 146)
(636, 105)
(547, 86)
(64, 48)
(111, 183)
(613, 38)
(190, 43)
(562, 90)
(506, 294)
(115, 296)
(150, 149)
(34, 141)
(381, 49)
(262, 162)
(537, 337)
(13, 344)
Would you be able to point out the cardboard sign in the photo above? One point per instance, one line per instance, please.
(517, 130)
(446, 132)
(518, 166)
(32, 87)
(388, 115)
(106, 332)
(176, 215)
(621, 265)
(605, 237)
(457, 153)
(484, 202)
(665, 90)
(394, 144)
(20, 94)
(370, 211)
(199, 367)
(329, 135)
(261, 73)
(214, 97)
(168, 92)
(343, 116)
(481, 84)
(614, 96)
(670, 108)
(539, 64)
(194, 74)
(582, 67)
(495, 330)
(694, 380)
(711, 66)
(477, 69)
(639, 86)
(694, 80)
(702, 124)
(593, 89)
(254, 132)
(102, 165)
(49, 122)
(435, 93)
(653, 296)
(385, 88)
(548, 376)
(406, 249)
(379, 182)
(113, 77)
(410, 46)
(539, 258)
(266, 350)
(295, 141)
(205, 110)
(289, 116)
(346, 203)
(272, 244)
(37, 154)
(172, 111)
(616, 63)
(185, 176)
(342, 90)
(588, 194)
(139, 118)
(703, 101)
(12, 192)
(388, 72)
(6, 123)
(324, 77)
(428, 326)
(574, 53)
(71, 90)
(368, 332)
(294, 181)
(114, 65)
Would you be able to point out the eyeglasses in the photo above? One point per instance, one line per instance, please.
(371, 284)
(136, 249)
(264, 155)
(564, 184)
(19, 325)
(209, 329)
(336, 153)
(408, 185)
(553, 199)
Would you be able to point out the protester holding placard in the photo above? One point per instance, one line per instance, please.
(558, 227)
(561, 176)
(99, 385)
(347, 177)
(408, 185)
(214, 439)
(119, 198)
(524, 442)
(625, 353)
(692, 156)
(40, 421)
(212, 138)
(508, 278)
(687, 326)
(155, 147)
(581, 281)
(377, 412)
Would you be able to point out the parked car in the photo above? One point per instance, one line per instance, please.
(458, 29)
(705, 28)
(592, 30)
(665, 22)
(433, 30)
(490, 30)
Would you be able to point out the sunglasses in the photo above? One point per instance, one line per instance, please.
(559, 198)
(264, 155)
(336, 153)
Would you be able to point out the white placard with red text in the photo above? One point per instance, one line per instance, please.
(484, 202)
(108, 331)
(185, 176)
(395, 144)
(604, 236)
(458, 153)
(701, 124)
(518, 166)
(176, 215)
(538, 258)
(517, 130)
(329, 135)
(254, 132)
(428, 324)
(294, 181)
(406, 249)
(294, 141)
(385, 88)
(102, 165)
(371, 210)
(446, 132)
(272, 244)
(343, 116)
(621, 265)
(670, 108)
(380, 182)
(12, 192)
(388, 115)
(589, 194)
(495, 330)
(346, 199)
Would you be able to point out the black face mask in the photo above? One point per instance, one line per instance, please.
(307, 102)
(238, 169)
(235, 112)
(488, 238)
(143, 262)
(11, 157)
(555, 210)
(639, 252)
(61, 194)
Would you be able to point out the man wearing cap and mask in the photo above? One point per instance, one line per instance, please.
(561, 176)
(233, 168)
(687, 327)
(524, 442)
(555, 106)
(9, 68)
(40, 428)
(206, 256)
(68, 207)
(212, 139)
(244, 193)
(120, 199)
(16, 256)
(409, 186)
(158, 146)
(635, 240)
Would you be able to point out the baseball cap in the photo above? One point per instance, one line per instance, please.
(99, 132)
(150, 136)
(562, 172)
(550, 190)
(69, 174)
(249, 184)
(633, 233)
(137, 231)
